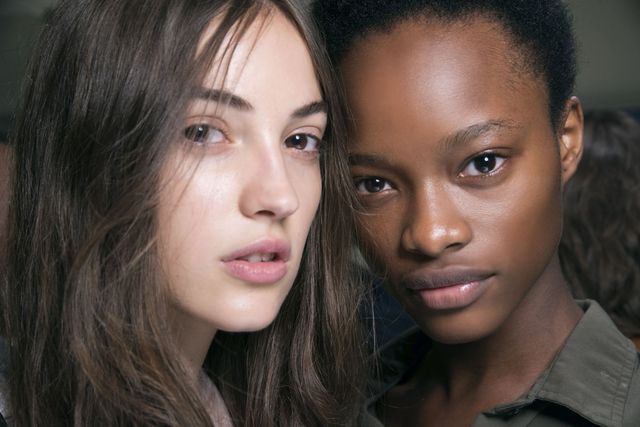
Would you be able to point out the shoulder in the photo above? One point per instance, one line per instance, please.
(632, 406)
(596, 374)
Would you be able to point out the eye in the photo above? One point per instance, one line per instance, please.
(484, 164)
(372, 184)
(303, 142)
(204, 134)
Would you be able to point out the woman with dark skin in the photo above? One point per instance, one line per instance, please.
(459, 153)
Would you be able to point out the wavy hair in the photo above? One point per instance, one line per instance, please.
(85, 306)
(600, 247)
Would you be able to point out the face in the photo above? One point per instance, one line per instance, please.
(459, 171)
(244, 184)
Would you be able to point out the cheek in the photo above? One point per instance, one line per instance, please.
(530, 227)
(191, 216)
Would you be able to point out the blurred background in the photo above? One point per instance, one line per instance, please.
(608, 33)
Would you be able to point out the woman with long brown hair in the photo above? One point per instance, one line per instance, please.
(176, 251)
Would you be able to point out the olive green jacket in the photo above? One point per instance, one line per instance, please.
(593, 381)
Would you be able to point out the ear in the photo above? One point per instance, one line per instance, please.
(570, 138)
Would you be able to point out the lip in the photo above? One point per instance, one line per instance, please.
(264, 272)
(447, 289)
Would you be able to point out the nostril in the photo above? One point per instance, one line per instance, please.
(276, 204)
(265, 212)
(430, 240)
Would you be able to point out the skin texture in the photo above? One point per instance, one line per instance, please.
(460, 174)
(248, 180)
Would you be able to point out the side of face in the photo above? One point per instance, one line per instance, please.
(244, 184)
(459, 171)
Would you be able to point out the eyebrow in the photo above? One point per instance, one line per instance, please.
(460, 137)
(234, 101)
(310, 109)
(373, 160)
(224, 97)
(463, 136)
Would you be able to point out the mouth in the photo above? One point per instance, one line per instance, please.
(422, 279)
(447, 289)
(266, 257)
(263, 262)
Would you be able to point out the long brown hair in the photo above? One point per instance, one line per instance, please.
(84, 305)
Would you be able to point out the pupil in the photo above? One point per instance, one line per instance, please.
(201, 133)
(374, 185)
(485, 164)
(298, 141)
(196, 133)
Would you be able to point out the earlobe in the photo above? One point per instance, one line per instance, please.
(570, 138)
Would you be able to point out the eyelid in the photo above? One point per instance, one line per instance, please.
(358, 180)
(211, 138)
(213, 121)
(311, 131)
(318, 142)
(468, 162)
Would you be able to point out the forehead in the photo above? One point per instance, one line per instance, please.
(270, 50)
(452, 71)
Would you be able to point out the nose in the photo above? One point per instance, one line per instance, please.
(435, 224)
(268, 190)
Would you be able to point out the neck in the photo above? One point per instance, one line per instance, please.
(193, 339)
(504, 365)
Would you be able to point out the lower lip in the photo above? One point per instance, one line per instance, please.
(452, 297)
(256, 272)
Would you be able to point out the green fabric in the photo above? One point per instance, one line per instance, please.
(594, 379)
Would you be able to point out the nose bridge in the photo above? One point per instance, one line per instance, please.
(435, 222)
(268, 189)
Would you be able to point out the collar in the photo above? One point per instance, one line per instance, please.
(591, 374)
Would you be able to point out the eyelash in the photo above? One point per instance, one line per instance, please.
(496, 162)
(305, 144)
(203, 129)
(299, 142)
(361, 184)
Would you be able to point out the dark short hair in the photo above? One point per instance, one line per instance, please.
(541, 29)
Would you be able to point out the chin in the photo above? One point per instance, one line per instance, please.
(454, 331)
(247, 322)
(453, 337)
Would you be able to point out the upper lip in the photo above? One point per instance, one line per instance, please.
(281, 249)
(435, 279)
